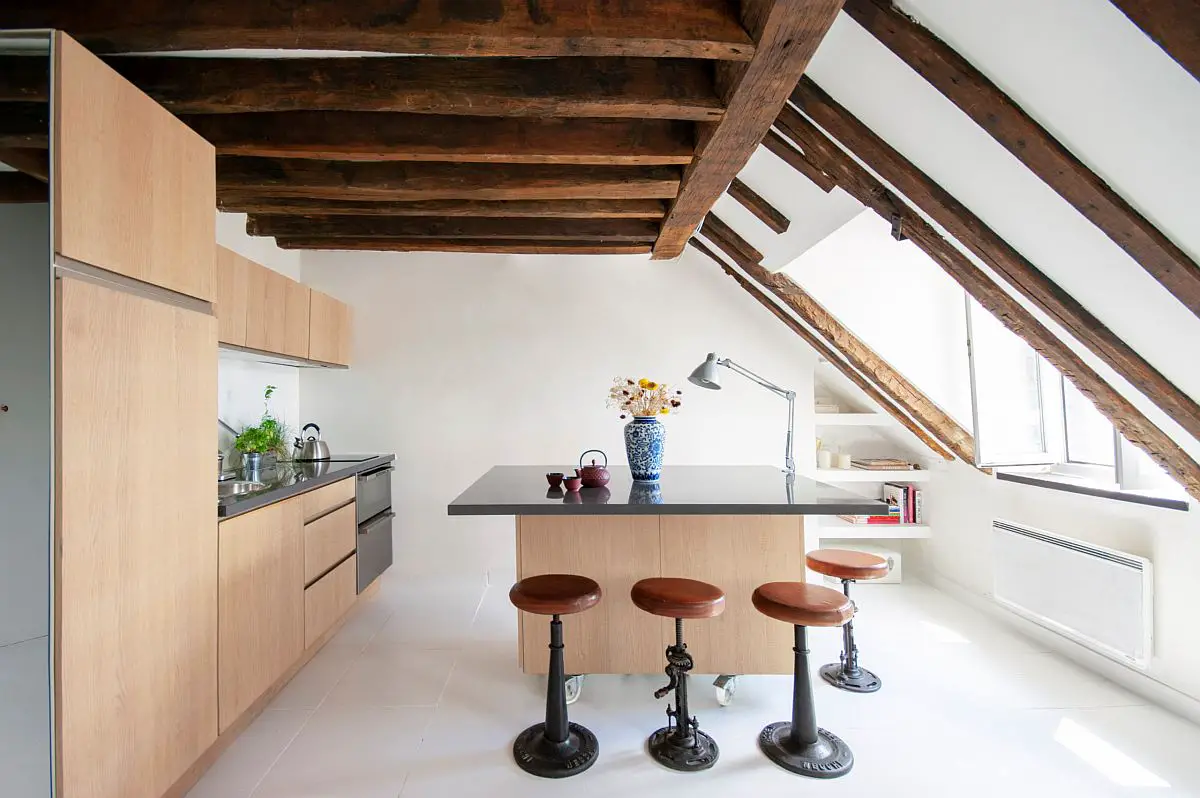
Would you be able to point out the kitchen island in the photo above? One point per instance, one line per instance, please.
(734, 526)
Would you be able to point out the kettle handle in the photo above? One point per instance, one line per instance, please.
(597, 451)
(304, 429)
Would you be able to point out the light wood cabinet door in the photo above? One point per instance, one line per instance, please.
(136, 548)
(322, 500)
(233, 275)
(134, 188)
(260, 603)
(266, 306)
(328, 599)
(295, 318)
(329, 330)
(327, 540)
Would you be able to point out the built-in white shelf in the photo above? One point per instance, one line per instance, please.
(862, 475)
(834, 527)
(853, 420)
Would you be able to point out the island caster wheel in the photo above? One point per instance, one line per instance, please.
(574, 686)
(725, 687)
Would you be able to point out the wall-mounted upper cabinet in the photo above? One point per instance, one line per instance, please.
(134, 188)
(259, 308)
(329, 330)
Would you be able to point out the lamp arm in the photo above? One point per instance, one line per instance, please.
(788, 459)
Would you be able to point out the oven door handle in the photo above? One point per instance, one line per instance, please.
(368, 475)
(365, 529)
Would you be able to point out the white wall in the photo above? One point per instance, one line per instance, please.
(462, 362)
(240, 383)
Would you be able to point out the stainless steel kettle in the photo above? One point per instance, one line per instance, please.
(312, 448)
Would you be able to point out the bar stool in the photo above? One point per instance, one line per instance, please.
(556, 748)
(680, 745)
(848, 566)
(799, 746)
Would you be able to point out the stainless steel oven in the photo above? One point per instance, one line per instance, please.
(373, 498)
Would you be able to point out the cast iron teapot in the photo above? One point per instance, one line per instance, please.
(593, 476)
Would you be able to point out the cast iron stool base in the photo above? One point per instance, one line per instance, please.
(698, 753)
(862, 682)
(827, 758)
(541, 757)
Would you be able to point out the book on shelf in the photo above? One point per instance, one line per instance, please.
(904, 500)
(870, 519)
(882, 464)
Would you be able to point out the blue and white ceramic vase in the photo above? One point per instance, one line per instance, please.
(645, 438)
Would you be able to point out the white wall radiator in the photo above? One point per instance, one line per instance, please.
(1098, 597)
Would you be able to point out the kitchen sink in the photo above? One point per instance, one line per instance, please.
(237, 488)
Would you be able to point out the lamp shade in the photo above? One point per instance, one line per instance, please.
(705, 375)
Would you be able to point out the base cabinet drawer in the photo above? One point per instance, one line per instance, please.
(327, 600)
(322, 500)
(327, 540)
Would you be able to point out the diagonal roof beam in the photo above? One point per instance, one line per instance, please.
(830, 350)
(861, 184)
(1174, 25)
(1033, 145)
(787, 33)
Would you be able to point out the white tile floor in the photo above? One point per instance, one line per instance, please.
(419, 695)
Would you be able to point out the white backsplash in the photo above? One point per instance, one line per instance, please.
(240, 386)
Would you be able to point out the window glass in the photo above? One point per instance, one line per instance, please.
(1089, 434)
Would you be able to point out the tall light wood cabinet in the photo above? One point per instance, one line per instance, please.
(135, 188)
(329, 333)
(232, 294)
(137, 541)
(261, 603)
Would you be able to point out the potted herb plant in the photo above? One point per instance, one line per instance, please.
(268, 437)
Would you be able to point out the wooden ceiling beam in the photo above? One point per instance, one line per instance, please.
(794, 158)
(378, 136)
(853, 178)
(347, 180)
(509, 247)
(645, 28)
(997, 113)
(752, 201)
(786, 33)
(235, 202)
(1174, 25)
(33, 162)
(716, 230)
(25, 125)
(602, 230)
(830, 350)
(986, 244)
(16, 187)
(24, 78)
(638, 88)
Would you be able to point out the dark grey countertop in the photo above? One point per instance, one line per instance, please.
(683, 490)
(288, 479)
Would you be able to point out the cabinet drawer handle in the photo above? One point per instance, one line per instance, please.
(385, 517)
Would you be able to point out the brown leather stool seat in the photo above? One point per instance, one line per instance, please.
(849, 566)
(671, 597)
(557, 747)
(843, 564)
(555, 594)
(680, 745)
(799, 745)
(802, 604)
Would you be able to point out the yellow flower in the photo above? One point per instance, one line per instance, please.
(651, 385)
(664, 411)
(643, 382)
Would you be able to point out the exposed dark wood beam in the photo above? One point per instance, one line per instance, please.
(1033, 145)
(797, 160)
(33, 162)
(24, 78)
(971, 232)
(639, 88)
(603, 230)
(522, 209)
(787, 33)
(25, 125)
(853, 178)
(716, 230)
(1174, 25)
(348, 180)
(510, 247)
(376, 136)
(827, 350)
(16, 187)
(752, 201)
(652, 28)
